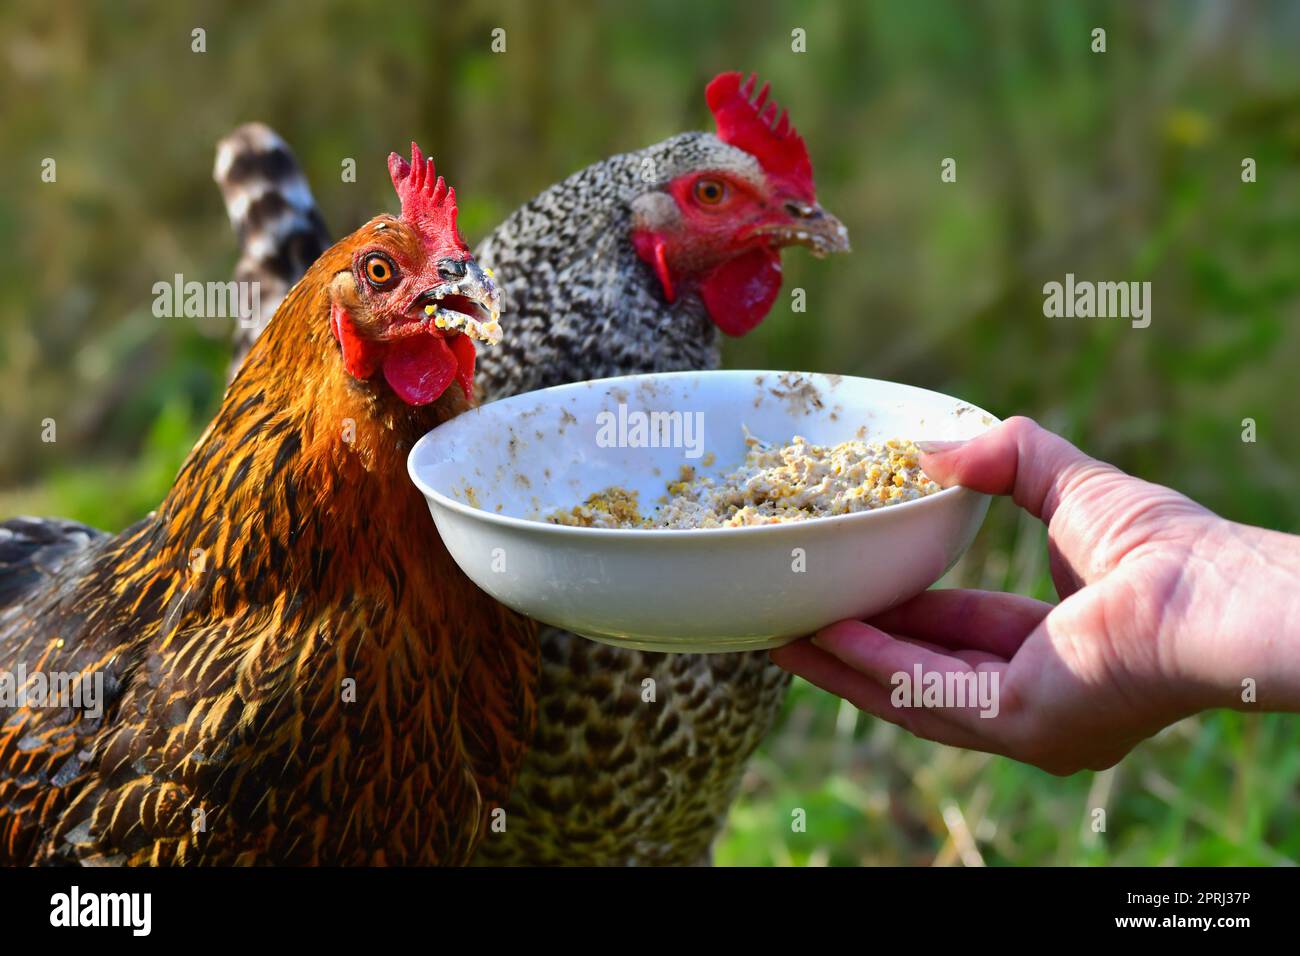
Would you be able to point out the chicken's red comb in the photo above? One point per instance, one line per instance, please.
(428, 204)
(762, 129)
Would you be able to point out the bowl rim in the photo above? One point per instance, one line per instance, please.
(640, 534)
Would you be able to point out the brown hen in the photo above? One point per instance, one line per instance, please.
(281, 664)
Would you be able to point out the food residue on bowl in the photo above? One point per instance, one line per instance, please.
(792, 482)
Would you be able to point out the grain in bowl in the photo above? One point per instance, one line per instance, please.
(774, 485)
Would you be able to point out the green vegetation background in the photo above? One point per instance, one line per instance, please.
(1122, 166)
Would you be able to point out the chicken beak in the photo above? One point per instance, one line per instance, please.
(478, 285)
(812, 226)
(469, 304)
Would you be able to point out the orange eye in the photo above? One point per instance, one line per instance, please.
(710, 192)
(379, 270)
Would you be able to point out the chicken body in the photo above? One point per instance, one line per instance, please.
(293, 670)
(609, 779)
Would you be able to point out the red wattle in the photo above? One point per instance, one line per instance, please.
(739, 292)
(360, 356)
(463, 348)
(420, 368)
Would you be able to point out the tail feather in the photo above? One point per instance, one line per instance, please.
(280, 229)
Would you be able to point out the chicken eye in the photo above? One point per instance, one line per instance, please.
(710, 192)
(379, 270)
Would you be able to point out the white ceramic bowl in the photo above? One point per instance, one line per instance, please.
(490, 473)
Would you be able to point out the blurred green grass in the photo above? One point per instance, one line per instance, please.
(1119, 166)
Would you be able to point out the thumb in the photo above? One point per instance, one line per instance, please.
(1037, 468)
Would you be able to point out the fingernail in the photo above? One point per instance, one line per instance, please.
(935, 447)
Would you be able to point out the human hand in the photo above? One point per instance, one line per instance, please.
(1166, 608)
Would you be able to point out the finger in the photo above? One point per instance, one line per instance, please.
(891, 662)
(971, 657)
(957, 618)
(832, 675)
(1018, 458)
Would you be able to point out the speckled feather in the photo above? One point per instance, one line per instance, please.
(224, 676)
(610, 779)
(581, 304)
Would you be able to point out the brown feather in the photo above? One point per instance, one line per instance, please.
(284, 561)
